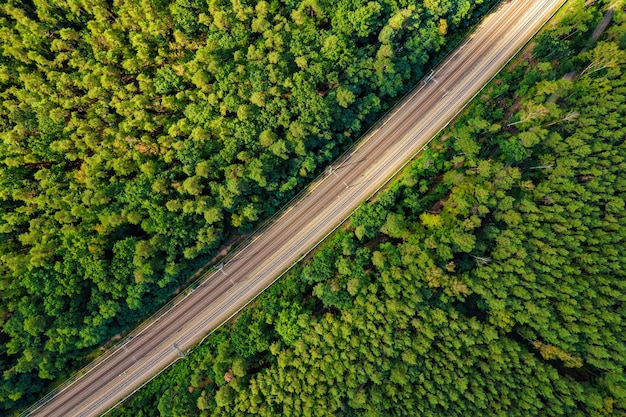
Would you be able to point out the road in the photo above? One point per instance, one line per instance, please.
(327, 203)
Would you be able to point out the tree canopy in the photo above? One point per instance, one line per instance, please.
(487, 280)
(136, 135)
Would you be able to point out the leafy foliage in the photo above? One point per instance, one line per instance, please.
(136, 135)
(478, 283)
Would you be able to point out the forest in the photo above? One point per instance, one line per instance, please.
(139, 136)
(487, 279)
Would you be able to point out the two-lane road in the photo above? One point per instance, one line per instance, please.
(329, 202)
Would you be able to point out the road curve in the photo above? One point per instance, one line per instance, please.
(403, 133)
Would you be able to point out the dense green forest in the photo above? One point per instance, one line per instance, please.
(487, 280)
(137, 135)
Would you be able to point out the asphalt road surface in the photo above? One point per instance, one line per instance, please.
(328, 202)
